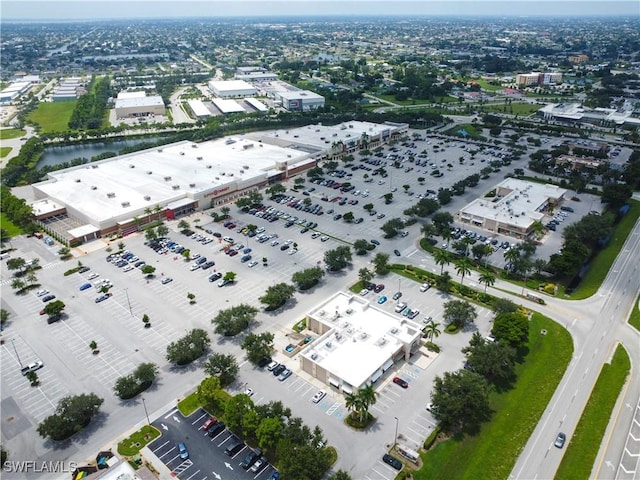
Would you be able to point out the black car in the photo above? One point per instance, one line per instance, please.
(250, 458)
(83, 269)
(392, 461)
(278, 370)
(216, 428)
(264, 361)
(375, 242)
(215, 276)
(397, 252)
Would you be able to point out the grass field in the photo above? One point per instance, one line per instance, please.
(9, 133)
(7, 225)
(189, 404)
(514, 108)
(131, 446)
(582, 450)
(53, 117)
(493, 452)
(634, 318)
(392, 99)
(605, 258)
(487, 86)
(4, 151)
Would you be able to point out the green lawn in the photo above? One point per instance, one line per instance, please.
(634, 318)
(470, 129)
(131, 446)
(604, 260)
(392, 99)
(53, 117)
(9, 226)
(189, 404)
(493, 452)
(487, 86)
(4, 151)
(9, 133)
(582, 450)
(521, 108)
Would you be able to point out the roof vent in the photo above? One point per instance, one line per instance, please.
(94, 166)
(160, 150)
(176, 187)
(132, 166)
(166, 179)
(194, 146)
(181, 153)
(192, 185)
(111, 195)
(149, 172)
(208, 166)
(198, 158)
(93, 187)
(78, 180)
(125, 204)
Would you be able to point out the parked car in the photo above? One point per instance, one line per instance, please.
(425, 286)
(399, 381)
(286, 373)
(279, 369)
(215, 429)
(209, 423)
(392, 461)
(48, 298)
(182, 450)
(250, 458)
(32, 367)
(320, 394)
(215, 276)
(85, 286)
(397, 295)
(397, 252)
(166, 280)
(382, 300)
(378, 288)
(260, 465)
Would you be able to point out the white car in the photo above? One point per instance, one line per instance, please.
(93, 275)
(32, 367)
(320, 394)
(252, 263)
(249, 392)
(42, 293)
(324, 239)
(194, 267)
(195, 256)
(128, 268)
(293, 251)
(364, 291)
(274, 243)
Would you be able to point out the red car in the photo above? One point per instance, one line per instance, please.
(211, 421)
(378, 288)
(401, 382)
(233, 253)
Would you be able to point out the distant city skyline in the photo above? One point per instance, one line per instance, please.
(139, 9)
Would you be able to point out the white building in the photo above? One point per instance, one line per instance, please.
(13, 91)
(138, 104)
(512, 207)
(300, 100)
(357, 342)
(232, 89)
(227, 106)
(199, 109)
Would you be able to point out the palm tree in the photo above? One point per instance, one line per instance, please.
(431, 330)
(488, 278)
(463, 267)
(147, 211)
(352, 402)
(442, 258)
(367, 398)
(538, 228)
(512, 255)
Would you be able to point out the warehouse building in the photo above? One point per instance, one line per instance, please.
(299, 100)
(13, 91)
(198, 109)
(227, 106)
(232, 89)
(68, 90)
(512, 207)
(138, 104)
(357, 342)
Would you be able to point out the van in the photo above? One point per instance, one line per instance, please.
(234, 447)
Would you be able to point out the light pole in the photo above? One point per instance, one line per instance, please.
(144, 405)
(126, 292)
(395, 438)
(15, 350)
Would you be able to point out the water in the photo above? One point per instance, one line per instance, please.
(66, 153)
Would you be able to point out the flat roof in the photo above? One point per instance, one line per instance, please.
(198, 108)
(517, 202)
(361, 340)
(230, 85)
(86, 229)
(257, 104)
(128, 102)
(300, 95)
(227, 105)
(322, 136)
(121, 187)
(127, 94)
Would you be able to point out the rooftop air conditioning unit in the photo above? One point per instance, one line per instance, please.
(160, 150)
(208, 166)
(394, 330)
(166, 179)
(198, 158)
(149, 172)
(132, 166)
(322, 313)
(194, 146)
(181, 153)
(94, 166)
(147, 198)
(328, 344)
(176, 187)
(93, 187)
(125, 204)
(338, 335)
(78, 180)
(363, 335)
(111, 195)
(192, 185)
(314, 356)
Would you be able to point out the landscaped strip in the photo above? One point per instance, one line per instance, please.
(189, 404)
(9, 133)
(494, 451)
(132, 445)
(583, 447)
(603, 261)
(634, 318)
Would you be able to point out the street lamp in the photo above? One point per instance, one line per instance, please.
(126, 292)
(395, 438)
(144, 405)
(15, 350)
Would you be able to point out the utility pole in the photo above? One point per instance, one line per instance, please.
(395, 438)
(126, 292)
(15, 350)
(144, 405)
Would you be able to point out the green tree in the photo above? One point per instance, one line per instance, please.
(225, 367)
(210, 394)
(162, 231)
(340, 475)
(365, 275)
(126, 387)
(392, 227)
(442, 258)
(150, 234)
(258, 346)
(54, 309)
(71, 415)
(348, 217)
(64, 253)
(442, 221)
(381, 263)
(234, 320)
(461, 401)
(487, 278)
(225, 211)
(338, 258)
(443, 282)
(428, 230)
(616, 194)
(4, 318)
(183, 225)
(459, 313)
(17, 263)
(495, 361)
(361, 246)
(276, 189)
(145, 374)
(308, 278)
(188, 348)
(511, 328)
(148, 270)
(277, 295)
(431, 330)
(463, 267)
(503, 305)
(236, 409)
(268, 433)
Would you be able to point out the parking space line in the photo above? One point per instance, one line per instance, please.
(193, 474)
(199, 418)
(159, 447)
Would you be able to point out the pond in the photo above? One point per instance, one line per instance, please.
(56, 155)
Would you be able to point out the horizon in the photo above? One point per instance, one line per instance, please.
(103, 10)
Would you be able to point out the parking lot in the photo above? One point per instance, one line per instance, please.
(115, 324)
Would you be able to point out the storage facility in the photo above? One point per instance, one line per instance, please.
(300, 100)
(13, 91)
(138, 104)
(232, 89)
(198, 109)
(227, 106)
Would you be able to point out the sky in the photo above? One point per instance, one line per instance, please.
(113, 9)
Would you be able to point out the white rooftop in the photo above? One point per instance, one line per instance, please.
(322, 137)
(362, 339)
(297, 94)
(198, 108)
(122, 187)
(153, 100)
(227, 106)
(127, 94)
(230, 85)
(518, 205)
